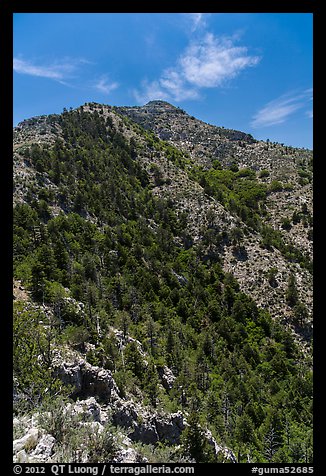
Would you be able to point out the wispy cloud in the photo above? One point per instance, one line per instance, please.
(279, 110)
(173, 82)
(103, 85)
(57, 71)
(198, 20)
(206, 63)
(26, 67)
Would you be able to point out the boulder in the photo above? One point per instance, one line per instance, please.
(28, 441)
(88, 409)
(129, 455)
(44, 448)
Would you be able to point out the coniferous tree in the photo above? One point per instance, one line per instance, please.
(292, 292)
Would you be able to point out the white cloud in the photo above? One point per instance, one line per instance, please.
(176, 87)
(280, 109)
(212, 61)
(25, 67)
(198, 20)
(170, 86)
(57, 70)
(205, 63)
(104, 86)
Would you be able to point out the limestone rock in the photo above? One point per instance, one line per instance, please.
(21, 457)
(28, 441)
(129, 455)
(124, 414)
(167, 377)
(88, 408)
(228, 455)
(145, 432)
(170, 429)
(70, 374)
(44, 448)
(87, 380)
(148, 427)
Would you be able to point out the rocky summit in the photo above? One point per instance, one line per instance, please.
(162, 290)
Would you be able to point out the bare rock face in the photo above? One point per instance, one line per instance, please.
(44, 448)
(99, 382)
(145, 432)
(167, 377)
(148, 427)
(124, 414)
(70, 374)
(88, 409)
(132, 416)
(27, 441)
(87, 380)
(170, 429)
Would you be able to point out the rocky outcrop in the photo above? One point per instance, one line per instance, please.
(88, 409)
(86, 380)
(27, 441)
(170, 429)
(33, 447)
(44, 447)
(167, 377)
(147, 426)
(219, 450)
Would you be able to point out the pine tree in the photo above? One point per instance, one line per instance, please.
(292, 292)
(151, 383)
(195, 443)
(193, 438)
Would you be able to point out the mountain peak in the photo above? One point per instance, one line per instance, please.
(159, 104)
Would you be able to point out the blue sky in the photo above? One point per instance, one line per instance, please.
(245, 71)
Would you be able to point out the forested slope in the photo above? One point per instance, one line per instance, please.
(133, 258)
